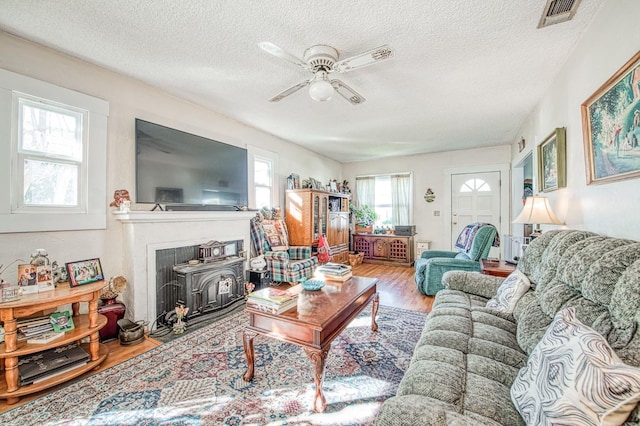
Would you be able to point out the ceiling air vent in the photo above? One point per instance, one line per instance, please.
(556, 11)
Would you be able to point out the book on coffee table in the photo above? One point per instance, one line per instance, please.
(274, 296)
(273, 300)
(272, 309)
(334, 272)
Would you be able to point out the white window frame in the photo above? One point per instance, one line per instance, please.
(253, 153)
(17, 173)
(92, 207)
(269, 161)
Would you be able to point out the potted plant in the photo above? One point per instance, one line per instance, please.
(364, 217)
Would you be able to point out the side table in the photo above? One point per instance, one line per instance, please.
(114, 311)
(497, 268)
(259, 278)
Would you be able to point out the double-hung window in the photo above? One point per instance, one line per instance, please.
(52, 157)
(263, 181)
(263, 189)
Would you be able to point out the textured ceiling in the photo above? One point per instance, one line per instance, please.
(466, 73)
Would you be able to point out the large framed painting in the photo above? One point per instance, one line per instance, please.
(552, 161)
(611, 126)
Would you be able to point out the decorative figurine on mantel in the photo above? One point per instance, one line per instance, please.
(121, 200)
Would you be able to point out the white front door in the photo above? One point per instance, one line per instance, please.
(475, 197)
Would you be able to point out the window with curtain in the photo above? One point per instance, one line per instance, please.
(389, 195)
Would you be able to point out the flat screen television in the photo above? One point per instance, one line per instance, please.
(184, 171)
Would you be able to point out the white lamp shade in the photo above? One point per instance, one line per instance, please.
(320, 89)
(537, 210)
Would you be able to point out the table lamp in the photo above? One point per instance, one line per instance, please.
(537, 211)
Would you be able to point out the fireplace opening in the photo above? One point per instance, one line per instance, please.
(208, 279)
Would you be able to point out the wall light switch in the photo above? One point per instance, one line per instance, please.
(436, 212)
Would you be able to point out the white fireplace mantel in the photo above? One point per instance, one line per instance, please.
(144, 232)
(136, 216)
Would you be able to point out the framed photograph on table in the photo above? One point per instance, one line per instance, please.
(611, 126)
(552, 161)
(28, 278)
(84, 272)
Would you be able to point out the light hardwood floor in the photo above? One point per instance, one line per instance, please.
(395, 286)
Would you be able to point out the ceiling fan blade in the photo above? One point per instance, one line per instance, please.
(282, 54)
(289, 91)
(347, 92)
(364, 59)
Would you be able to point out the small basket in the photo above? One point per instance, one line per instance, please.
(355, 258)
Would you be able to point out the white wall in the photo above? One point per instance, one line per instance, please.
(130, 99)
(611, 208)
(429, 172)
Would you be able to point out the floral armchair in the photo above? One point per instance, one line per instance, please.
(473, 244)
(286, 264)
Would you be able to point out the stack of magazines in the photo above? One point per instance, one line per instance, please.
(333, 272)
(273, 300)
(34, 328)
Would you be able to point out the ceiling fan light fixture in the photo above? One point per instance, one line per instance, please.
(321, 90)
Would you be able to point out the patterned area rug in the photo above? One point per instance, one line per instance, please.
(197, 380)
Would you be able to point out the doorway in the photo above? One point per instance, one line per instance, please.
(476, 194)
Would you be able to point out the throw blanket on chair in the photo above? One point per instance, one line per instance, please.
(465, 239)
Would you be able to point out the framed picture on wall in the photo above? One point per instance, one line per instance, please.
(552, 161)
(611, 126)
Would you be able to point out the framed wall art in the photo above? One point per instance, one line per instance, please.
(84, 272)
(552, 161)
(611, 126)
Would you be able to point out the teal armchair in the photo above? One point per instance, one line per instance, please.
(473, 244)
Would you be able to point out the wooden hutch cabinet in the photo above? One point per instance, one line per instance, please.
(385, 249)
(310, 213)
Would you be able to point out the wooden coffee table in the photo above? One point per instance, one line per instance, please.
(318, 319)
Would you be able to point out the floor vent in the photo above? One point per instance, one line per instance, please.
(556, 11)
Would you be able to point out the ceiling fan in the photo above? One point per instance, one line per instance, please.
(322, 61)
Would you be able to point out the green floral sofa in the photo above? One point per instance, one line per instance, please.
(468, 356)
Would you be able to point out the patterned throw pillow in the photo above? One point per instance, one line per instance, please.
(276, 234)
(509, 292)
(574, 377)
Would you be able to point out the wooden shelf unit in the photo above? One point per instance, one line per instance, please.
(85, 325)
(310, 213)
